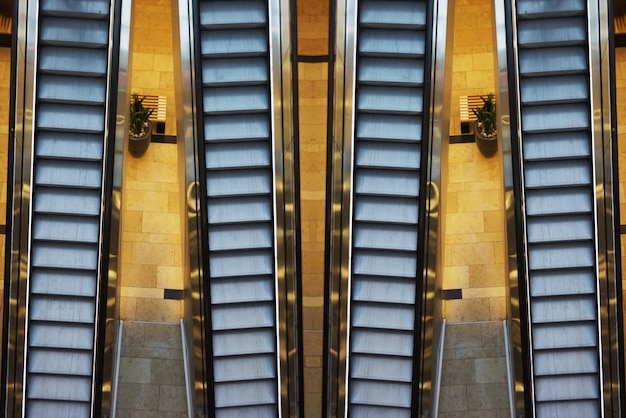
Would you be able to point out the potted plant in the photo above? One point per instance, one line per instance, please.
(485, 126)
(140, 126)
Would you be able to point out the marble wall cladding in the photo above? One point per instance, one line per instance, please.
(313, 19)
(474, 378)
(473, 70)
(152, 70)
(474, 251)
(5, 86)
(151, 247)
(620, 90)
(152, 380)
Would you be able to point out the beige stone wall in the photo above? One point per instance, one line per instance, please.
(5, 87)
(473, 60)
(151, 238)
(152, 61)
(313, 85)
(620, 88)
(474, 250)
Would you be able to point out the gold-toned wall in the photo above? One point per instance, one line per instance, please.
(620, 90)
(151, 228)
(474, 249)
(313, 18)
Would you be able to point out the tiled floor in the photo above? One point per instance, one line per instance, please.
(152, 379)
(474, 378)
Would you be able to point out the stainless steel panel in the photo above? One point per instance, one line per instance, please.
(384, 369)
(388, 237)
(74, 32)
(560, 255)
(248, 289)
(381, 394)
(240, 209)
(239, 237)
(46, 254)
(240, 42)
(66, 335)
(242, 316)
(560, 309)
(238, 154)
(390, 99)
(400, 13)
(385, 264)
(371, 315)
(72, 89)
(387, 71)
(73, 61)
(63, 200)
(51, 282)
(382, 43)
(63, 409)
(563, 282)
(69, 145)
(376, 412)
(235, 13)
(245, 393)
(380, 154)
(562, 362)
(236, 127)
(583, 409)
(581, 387)
(377, 209)
(552, 60)
(232, 369)
(91, 7)
(557, 173)
(384, 342)
(549, 89)
(73, 310)
(66, 229)
(235, 71)
(565, 335)
(255, 412)
(80, 363)
(389, 127)
(549, 8)
(238, 344)
(250, 99)
(71, 118)
(553, 31)
(241, 263)
(68, 173)
(387, 183)
(391, 290)
(63, 388)
(558, 201)
(556, 145)
(233, 183)
(561, 117)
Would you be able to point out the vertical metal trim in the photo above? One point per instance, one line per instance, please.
(518, 330)
(107, 310)
(436, 126)
(185, 25)
(16, 247)
(284, 227)
(607, 240)
(516, 225)
(347, 134)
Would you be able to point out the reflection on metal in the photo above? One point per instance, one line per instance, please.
(235, 66)
(61, 338)
(514, 235)
(438, 369)
(385, 199)
(566, 333)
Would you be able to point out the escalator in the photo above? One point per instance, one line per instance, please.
(555, 105)
(389, 142)
(237, 149)
(70, 119)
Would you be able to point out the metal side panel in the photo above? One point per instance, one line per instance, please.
(239, 178)
(390, 68)
(558, 176)
(65, 237)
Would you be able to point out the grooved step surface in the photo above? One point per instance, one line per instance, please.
(388, 146)
(70, 118)
(236, 100)
(559, 190)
